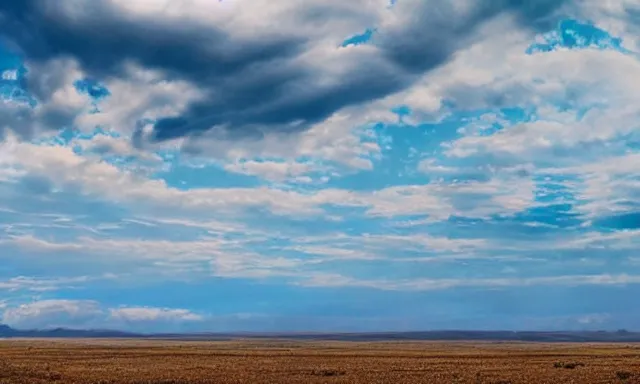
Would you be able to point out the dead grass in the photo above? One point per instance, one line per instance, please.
(274, 361)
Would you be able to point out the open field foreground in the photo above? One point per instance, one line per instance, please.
(273, 361)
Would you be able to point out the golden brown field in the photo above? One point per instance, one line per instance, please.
(273, 361)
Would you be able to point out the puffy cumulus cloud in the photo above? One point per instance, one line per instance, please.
(599, 109)
(343, 140)
(106, 145)
(141, 96)
(280, 71)
(53, 314)
(52, 82)
(618, 17)
(559, 107)
(89, 314)
(502, 70)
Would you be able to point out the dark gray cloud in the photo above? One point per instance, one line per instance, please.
(250, 85)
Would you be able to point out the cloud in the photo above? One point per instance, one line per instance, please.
(63, 103)
(344, 140)
(107, 145)
(607, 188)
(89, 314)
(30, 284)
(595, 318)
(551, 113)
(623, 239)
(64, 169)
(459, 147)
(255, 75)
(53, 314)
(271, 170)
(145, 314)
(157, 259)
(337, 280)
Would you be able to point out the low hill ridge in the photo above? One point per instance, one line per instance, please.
(444, 335)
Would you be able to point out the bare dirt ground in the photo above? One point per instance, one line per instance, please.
(274, 361)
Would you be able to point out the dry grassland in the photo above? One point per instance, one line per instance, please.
(272, 361)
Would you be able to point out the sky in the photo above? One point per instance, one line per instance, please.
(250, 165)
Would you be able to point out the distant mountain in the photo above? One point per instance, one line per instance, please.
(6, 331)
(444, 335)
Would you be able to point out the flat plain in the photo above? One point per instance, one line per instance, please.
(286, 361)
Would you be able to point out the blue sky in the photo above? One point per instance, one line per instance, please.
(241, 165)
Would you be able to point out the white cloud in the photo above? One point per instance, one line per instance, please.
(122, 248)
(66, 169)
(619, 240)
(496, 71)
(146, 94)
(585, 111)
(213, 227)
(89, 314)
(10, 75)
(53, 314)
(52, 81)
(256, 266)
(119, 146)
(607, 187)
(160, 259)
(270, 170)
(337, 280)
(377, 246)
(342, 139)
(329, 253)
(146, 314)
(431, 166)
(425, 243)
(617, 17)
(594, 318)
(24, 283)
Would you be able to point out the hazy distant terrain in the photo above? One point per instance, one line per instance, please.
(586, 336)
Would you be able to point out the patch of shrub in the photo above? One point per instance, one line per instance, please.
(328, 372)
(567, 365)
(624, 375)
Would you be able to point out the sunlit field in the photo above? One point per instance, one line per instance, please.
(274, 361)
